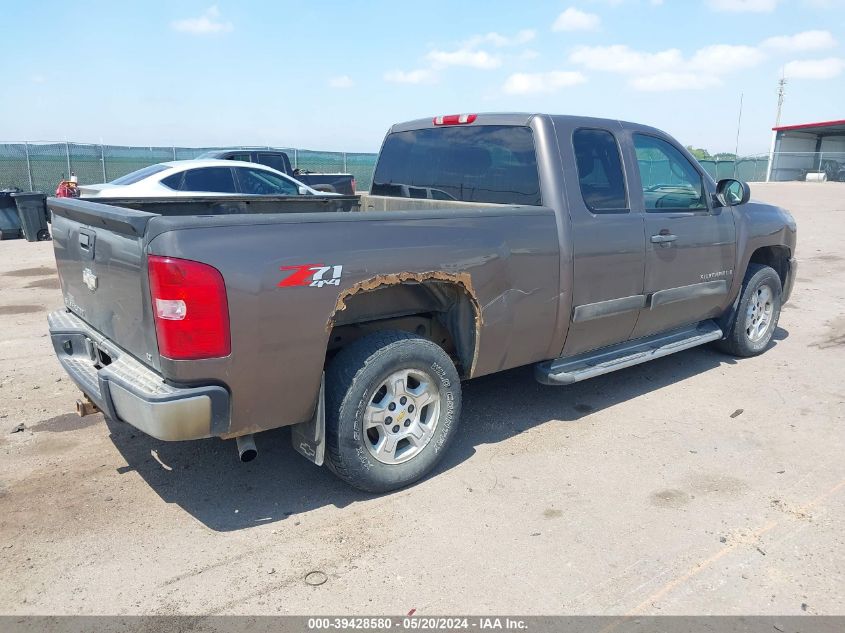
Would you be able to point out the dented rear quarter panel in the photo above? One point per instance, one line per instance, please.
(505, 257)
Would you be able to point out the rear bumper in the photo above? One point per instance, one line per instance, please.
(129, 391)
(791, 274)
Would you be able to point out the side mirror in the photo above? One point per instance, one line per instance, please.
(731, 192)
(303, 191)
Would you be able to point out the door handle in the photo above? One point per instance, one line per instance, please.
(87, 239)
(662, 238)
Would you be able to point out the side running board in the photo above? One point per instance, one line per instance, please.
(565, 371)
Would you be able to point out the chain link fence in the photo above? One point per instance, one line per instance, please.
(808, 166)
(786, 166)
(32, 166)
(747, 168)
(40, 166)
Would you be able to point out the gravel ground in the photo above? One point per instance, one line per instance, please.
(693, 484)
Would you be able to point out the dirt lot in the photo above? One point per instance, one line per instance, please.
(693, 484)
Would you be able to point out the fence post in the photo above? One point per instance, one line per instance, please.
(67, 155)
(771, 162)
(344, 162)
(821, 165)
(103, 161)
(295, 162)
(28, 164)
(174, 152)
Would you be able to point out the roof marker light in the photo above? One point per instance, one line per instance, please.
(455, 119)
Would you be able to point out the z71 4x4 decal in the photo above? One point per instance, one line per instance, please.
(313, 275)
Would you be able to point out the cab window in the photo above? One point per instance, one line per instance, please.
(472, 163)
(669, 180)
(600, 174)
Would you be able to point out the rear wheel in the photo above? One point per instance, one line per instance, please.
(392, 405)
(757, 314)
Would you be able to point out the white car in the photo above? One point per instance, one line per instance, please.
(196, 178)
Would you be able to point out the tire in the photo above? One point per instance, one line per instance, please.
(757, 313)
(359, 436)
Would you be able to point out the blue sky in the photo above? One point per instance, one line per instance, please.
(335, 74)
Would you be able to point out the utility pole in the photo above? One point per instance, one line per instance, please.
(738, 124)
(781, 93)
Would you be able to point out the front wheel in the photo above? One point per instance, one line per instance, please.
(392, 405)
(757, 314)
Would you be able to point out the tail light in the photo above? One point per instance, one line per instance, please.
(190, 308)
(455, 119)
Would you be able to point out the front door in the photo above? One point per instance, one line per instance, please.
(690, 247)
(607, 241)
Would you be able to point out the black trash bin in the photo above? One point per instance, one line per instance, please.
(31, 209)
(10, 221)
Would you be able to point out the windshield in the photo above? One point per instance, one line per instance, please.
(140, 174)
(489, 163)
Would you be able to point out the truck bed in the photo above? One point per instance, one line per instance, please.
(226, 205)
(239, 205)
(492, 253)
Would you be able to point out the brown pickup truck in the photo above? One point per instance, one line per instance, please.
(487, 242)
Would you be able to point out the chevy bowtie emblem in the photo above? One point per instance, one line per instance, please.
(90, 279)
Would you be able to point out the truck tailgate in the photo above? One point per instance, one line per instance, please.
(100, 257)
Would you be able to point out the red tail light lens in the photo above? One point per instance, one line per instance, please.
(190, 308)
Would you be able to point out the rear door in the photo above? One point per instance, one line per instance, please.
(261, 182)
(607, 239)
(690, 246)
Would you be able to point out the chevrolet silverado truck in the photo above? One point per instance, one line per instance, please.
(577, 245)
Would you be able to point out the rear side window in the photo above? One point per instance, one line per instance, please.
(273, 160)
(214, 179)
(174, 182)
(137, 176)
(600, 174)
(487, 163)
(261, 182)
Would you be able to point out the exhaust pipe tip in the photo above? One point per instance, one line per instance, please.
(246, 447)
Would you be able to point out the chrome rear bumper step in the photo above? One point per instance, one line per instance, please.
(565, 371)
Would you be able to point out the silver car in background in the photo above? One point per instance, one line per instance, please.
(195, 178)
